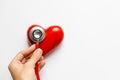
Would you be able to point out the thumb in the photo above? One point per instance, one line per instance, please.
(35, 57)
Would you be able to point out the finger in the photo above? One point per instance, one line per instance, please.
(41, 58)
(35, 57)
(28, 51)
(23, 60)
(21, 55)
(41, 64)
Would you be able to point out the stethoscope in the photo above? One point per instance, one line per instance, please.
(37, 35)
(46, 39)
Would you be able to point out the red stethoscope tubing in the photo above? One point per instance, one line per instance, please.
(37, 66)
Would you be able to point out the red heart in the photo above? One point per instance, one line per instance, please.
(54, 35)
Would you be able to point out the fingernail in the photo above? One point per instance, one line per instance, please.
(39, 51)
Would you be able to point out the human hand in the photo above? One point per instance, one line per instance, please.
(22, 67)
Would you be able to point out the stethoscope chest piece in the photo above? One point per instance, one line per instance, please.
(36, 34)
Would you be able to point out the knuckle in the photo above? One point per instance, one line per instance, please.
(10, 66)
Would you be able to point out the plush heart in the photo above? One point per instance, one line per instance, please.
(54, 35)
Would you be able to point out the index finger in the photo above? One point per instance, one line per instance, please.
(24, 53)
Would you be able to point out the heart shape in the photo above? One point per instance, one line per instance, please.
(54, 35)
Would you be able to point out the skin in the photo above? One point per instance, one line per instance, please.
(22, 67)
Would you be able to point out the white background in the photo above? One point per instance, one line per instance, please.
(91, 46)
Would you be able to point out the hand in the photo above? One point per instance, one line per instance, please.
(22, 67)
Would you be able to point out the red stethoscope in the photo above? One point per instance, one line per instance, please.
(46, 39)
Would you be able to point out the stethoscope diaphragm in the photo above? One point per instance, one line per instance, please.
(37, 34)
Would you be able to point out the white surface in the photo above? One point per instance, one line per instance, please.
(91, 47)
